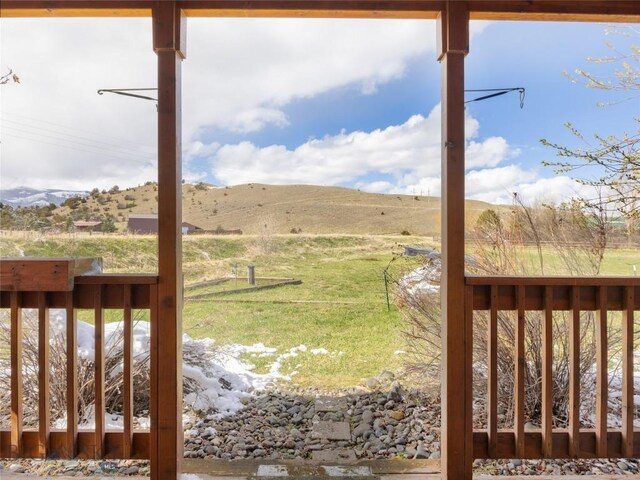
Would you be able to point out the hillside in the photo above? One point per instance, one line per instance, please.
(257, 208)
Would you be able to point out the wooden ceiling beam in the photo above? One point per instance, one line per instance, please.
(621, 11)
(545, 10)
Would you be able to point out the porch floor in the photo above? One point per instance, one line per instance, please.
(200, 469)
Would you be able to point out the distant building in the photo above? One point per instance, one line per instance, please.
(82, 226)
(148, 223)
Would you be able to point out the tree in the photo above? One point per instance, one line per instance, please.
(108, 226)
(616, 156)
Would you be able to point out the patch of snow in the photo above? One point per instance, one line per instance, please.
(320, 351)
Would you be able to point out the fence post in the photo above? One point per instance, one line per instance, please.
(457, 433)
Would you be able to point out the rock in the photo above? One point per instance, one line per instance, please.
(372, 383)
(16, 468)
(397, 414)
(516, 462)
(133, 470)
(623, 465)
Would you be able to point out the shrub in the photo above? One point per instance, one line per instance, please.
(405, 233)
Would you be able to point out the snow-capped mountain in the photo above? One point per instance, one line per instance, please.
(31, 197)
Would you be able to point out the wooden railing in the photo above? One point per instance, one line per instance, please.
(494, 296)
(89, 292)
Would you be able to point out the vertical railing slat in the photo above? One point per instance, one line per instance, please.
(627, 372)
(574, 374)
(602, 374)
(492, 380)
(547, 373)
(99, 372)
(72, 376)
(127, 374)
(468, 365)
(16, 375)
(154, 392)
(43, 375)
(519, 419)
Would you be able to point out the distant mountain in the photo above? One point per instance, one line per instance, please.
(31, 197)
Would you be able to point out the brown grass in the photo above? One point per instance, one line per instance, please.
(277, 209)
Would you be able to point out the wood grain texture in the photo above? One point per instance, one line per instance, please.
(127, 374)
(574, 375)
(627, 373)
(99, 372)
(16, 376)
(492, 374)
(519, 357)
(547, 373)
(44, 389)
(541, 10)
(602, 374)
(169, 314)
(456, 352)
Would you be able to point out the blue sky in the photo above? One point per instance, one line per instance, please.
(352, 103)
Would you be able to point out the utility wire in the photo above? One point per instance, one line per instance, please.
(34, 130)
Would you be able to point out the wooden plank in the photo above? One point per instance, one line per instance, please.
(574, 375)
(127, 375)
(36, 275)
(519, 394)
(16, 375)
(154, 392)
(456, 387)
(72, 377)
(99, 366)
(547, 10)
(118, 279)
(627, 373)
(44, 407)
(492, 374)
(44, 274)
(166, 23)
(602, 375)
(551, 280)
(547, 373)
(533, 444)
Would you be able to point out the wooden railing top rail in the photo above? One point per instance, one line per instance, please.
(118, 279)
(552, 281)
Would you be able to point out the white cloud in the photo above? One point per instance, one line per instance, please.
(408, 156)
(408, 152)
(239, 75)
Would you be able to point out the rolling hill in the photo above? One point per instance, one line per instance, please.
(257, 208)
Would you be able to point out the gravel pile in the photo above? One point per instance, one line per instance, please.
(281, 426)
(277, 425)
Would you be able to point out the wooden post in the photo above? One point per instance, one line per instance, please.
(457, 433)
(166, 391)
(251, 274)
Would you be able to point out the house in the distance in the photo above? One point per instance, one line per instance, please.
(148, 223)
(83, 226)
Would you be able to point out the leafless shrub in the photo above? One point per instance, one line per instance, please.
(502, 246)
(198, 354)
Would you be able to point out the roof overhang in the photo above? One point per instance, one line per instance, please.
(546, 10)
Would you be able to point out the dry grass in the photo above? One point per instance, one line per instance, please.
(277, 209)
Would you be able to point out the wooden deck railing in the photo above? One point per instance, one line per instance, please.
(95, 293)
(546, 295)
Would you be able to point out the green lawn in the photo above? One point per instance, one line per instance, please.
(340, 305)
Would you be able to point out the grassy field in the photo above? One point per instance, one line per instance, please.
(340, 305)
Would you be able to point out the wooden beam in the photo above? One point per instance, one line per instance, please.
(457, 446)
(168, 447)
(543, 10)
